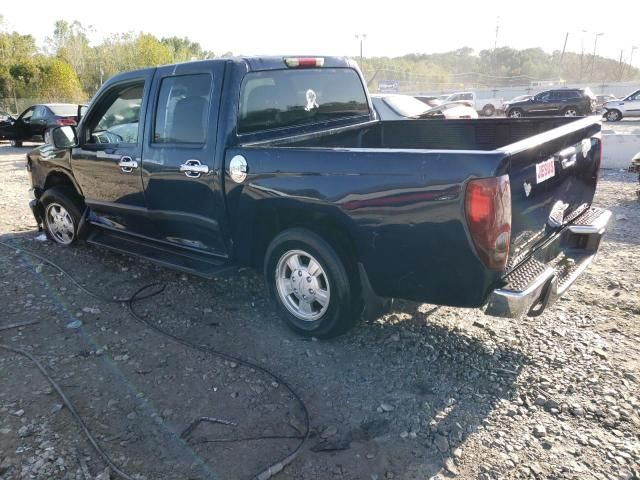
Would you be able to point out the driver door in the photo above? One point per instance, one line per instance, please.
(20, 130)
(106, 163)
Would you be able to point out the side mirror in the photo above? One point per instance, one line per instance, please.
(61, 137)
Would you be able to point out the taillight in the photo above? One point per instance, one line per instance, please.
(488, 211)
(66, 121)
(304, 62)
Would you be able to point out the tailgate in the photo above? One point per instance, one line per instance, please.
(553, 179)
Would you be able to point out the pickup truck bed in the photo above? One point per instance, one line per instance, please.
(399, 188)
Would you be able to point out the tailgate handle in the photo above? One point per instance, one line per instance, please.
(567, 157)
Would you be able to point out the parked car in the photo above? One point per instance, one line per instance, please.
(602, 99)
(283, 166)
(629, 106)
(484, 106)
(5, 118)
(35, 120)
(402, 107)
(430, 100)
(570, 102)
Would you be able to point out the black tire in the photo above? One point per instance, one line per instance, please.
(67, 199)
(571, 111)
(516, 113)
(342, 307)
(613, 115)
(16, 143)
(488, 110)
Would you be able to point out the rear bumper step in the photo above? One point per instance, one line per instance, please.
(540, 281)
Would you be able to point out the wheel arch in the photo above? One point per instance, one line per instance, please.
(269, 221)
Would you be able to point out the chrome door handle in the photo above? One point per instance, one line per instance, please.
(127, 165)
(193, 168)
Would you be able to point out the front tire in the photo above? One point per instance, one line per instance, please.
(61, 216)
(613, 115)
(516, 113)
(16, 143)
(571, 112)
(309, 284)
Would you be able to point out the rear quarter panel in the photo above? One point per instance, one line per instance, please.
(403, 211)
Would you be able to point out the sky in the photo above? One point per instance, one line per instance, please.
(329, 27)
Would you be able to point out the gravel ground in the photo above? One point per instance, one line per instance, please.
(423, 392)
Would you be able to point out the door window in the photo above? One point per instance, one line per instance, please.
(39, 113)
(543, 97)
(117, 119)
(182, 110)
(26, 115)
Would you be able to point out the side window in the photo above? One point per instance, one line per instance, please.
(635, 97)
(38, 113)
(467, 96)
(116, 120)
(26, 115)
(544, 96)
(182, 110)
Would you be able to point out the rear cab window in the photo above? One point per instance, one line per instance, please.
(276, 99)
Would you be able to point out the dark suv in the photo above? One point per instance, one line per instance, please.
(570, 102)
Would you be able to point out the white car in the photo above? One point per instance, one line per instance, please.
(403, 107)
(629, 106)
(484, 106)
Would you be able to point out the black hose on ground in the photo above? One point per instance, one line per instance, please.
(157, 288)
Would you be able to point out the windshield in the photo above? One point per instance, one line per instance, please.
(405, 105)
(284, 98)
(64, 110)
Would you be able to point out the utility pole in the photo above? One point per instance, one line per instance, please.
(495, 46)
(620, 66)
(581, 55)
(633, 49)
(564, 49)
(593, 59)
(362, 37)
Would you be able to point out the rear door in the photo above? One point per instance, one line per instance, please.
(632, 105)
(181, 183)
(106, 163)
(38, 123)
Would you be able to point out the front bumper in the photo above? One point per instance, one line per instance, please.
(547, 275)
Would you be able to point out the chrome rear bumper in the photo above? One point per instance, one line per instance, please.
(535, 284)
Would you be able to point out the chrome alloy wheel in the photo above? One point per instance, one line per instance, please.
(302, 285)
(60, 223)
(571, 112)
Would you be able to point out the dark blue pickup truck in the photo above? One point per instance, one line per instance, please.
(280, 163)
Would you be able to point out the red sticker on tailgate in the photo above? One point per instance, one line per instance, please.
(545, 170)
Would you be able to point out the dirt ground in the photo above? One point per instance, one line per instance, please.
(422, 393)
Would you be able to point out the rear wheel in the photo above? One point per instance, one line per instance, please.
(516, 113)
(310, 284)
(61, 216)
(488, 110)
(613, 115)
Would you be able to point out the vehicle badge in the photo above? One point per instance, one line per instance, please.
(311, 100)
(527, 188)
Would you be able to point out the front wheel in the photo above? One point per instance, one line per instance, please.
(310, 284)
(61, 216)
(16, 143)
(516, 113)
(613, 115)
(571, 112)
